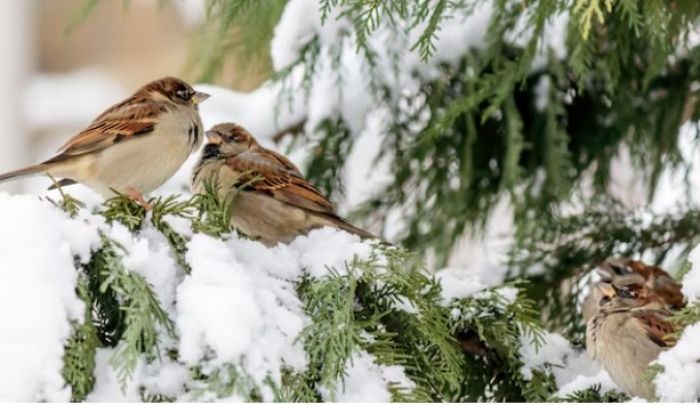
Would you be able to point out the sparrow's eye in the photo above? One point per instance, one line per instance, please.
(618, 269)
(184, 95)
(627, 292)
(605, 299)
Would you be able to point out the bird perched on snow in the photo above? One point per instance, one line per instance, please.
(134, 146)
(275, 203)
(625, 271)
(628, 332)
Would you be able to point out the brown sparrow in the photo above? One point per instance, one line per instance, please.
(623, 271)
(134, 146)
(627, 333)
(276, 203)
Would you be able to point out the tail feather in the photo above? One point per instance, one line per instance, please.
(358, 231)
(25, 172)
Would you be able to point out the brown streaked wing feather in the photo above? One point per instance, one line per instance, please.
(282, 182)
(655, 325)
(670, 290)
(120, 123)
(285, 162)
(661, 282)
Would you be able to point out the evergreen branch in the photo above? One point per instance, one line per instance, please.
(79, 355)
(426, 41)
(239, 32)
(593, 394)
(325, 170)
(125, 210)
(685, 317)
(171, 206)
(214, 217)
(588, 11)
(499, 323)
(140, 317)
(68, 204)
(333, 336)
(226, 381)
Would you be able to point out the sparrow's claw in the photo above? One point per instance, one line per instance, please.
(138, 198)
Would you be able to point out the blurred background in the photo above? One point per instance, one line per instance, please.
(60, 70)
(455, 186)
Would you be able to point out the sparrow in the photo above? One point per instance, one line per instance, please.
(629, 330)
(134, 146)
(275, 203)
(622, 270)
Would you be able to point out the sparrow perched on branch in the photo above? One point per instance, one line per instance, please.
(275, 203)
(624, 271)
(628, 332)
(134, 146)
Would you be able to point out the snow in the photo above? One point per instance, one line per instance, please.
(367, 381)
(572, 370)
(238, 305)
(107, 386)
(457, 284)
(680, 379)
(149, 255)
(326, 247)
(38, 244)
(509, 294)
(255, 110)
(230, 313)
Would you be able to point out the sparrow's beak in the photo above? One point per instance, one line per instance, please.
(606, 290)
(214, 137)
(605, 272)
(199, 97)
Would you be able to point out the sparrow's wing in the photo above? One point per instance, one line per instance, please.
(655, 325)
(281, 181)
(284, 161)
(661, 282)
(122, 122)
(670, 291)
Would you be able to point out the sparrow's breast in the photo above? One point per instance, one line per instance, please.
(146, 162)
(625, 352)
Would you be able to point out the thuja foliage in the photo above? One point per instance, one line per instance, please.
(511, 120)
(493, 126)
(387, 305)
(507, 121)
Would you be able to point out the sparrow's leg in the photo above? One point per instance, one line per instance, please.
(138, 198)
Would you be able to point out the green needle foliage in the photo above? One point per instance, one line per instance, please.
(498, 128)
(387, 305)
(508, 121)
(593, 395)
(79, 357)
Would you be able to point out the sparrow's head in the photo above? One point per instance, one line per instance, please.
(626, 271)
(229, 139)
(628, 295)
(173, 90)
(613, 268)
